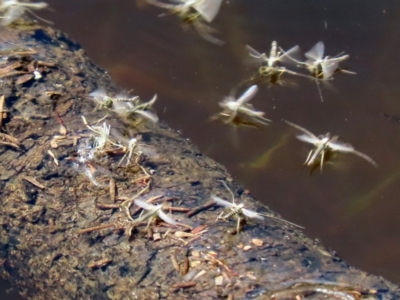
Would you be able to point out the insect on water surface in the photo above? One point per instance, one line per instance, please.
(322, 68)
(240, 107)
(195, 12)
(323, 144)
(271, 66)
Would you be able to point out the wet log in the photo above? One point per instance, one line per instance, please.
(69, 226)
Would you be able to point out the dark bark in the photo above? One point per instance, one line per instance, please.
(47, 254)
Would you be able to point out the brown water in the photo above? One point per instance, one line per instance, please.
(352, 207)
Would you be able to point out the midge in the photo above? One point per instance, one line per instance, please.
(153, 212)
(124, 106)
(240, 107)
(106, 101)
(240, 212)
(271, 66)
(324, 144)
(195, 12)
(14, 9)
(321, 67)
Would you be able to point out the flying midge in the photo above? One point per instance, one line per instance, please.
(125, 106)
(153, 212)
(320, 67)
(271, 66)
(234, 108)
(240, 212)
(13, 10)
(324, 144)
(196, 13)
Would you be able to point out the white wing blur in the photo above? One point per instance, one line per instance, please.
(207, 8)
(252, 214)
(248, 95)
(146, 206)
(165, 218)
(303, 129)
(316, 52)
(12, 14)
(148, 115)
(341, 147)
(222, 202)
(328, 68)
(307, 139)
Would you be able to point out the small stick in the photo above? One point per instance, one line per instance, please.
(182, 285)
(175, 262)
(33, 181)
(99, 263)
(113, 190)
(13, 73)
(9, 144)
(107, 206)
(63, 129)
(3, 113)
(11, 67)
(199, 229)
(91, 229)
(199, 209)
(9, 138)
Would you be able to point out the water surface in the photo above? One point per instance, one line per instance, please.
(352, 207)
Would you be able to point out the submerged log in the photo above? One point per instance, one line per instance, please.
(69, 226)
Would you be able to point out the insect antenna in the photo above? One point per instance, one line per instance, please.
(36, 16)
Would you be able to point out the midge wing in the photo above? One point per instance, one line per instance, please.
(347, 148)
(145, 205)
(316, 52)
(307, 139)
(311, 135)
(341, 147)
(252, 214)
(254, 53)
(165, 218)
(290, 55)
(12, 14)
(148, 115)
(248, 95)
(222, 202)
(328, 68)
(207, 8)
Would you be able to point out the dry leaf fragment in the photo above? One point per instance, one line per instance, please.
(257, 242)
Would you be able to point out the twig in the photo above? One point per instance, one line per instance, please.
(199, 209)
(2, 111)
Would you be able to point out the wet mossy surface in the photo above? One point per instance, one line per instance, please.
(48, 200)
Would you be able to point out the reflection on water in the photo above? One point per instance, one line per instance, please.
(352, 207)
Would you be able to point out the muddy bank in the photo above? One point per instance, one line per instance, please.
(69, 226)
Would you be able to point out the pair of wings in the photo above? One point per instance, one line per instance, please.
(286, 57)
(246, 212)
(156, 209)
(207, 8)
(328, 65)
(335, 145)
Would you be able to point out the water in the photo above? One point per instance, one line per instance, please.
(352, 207)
